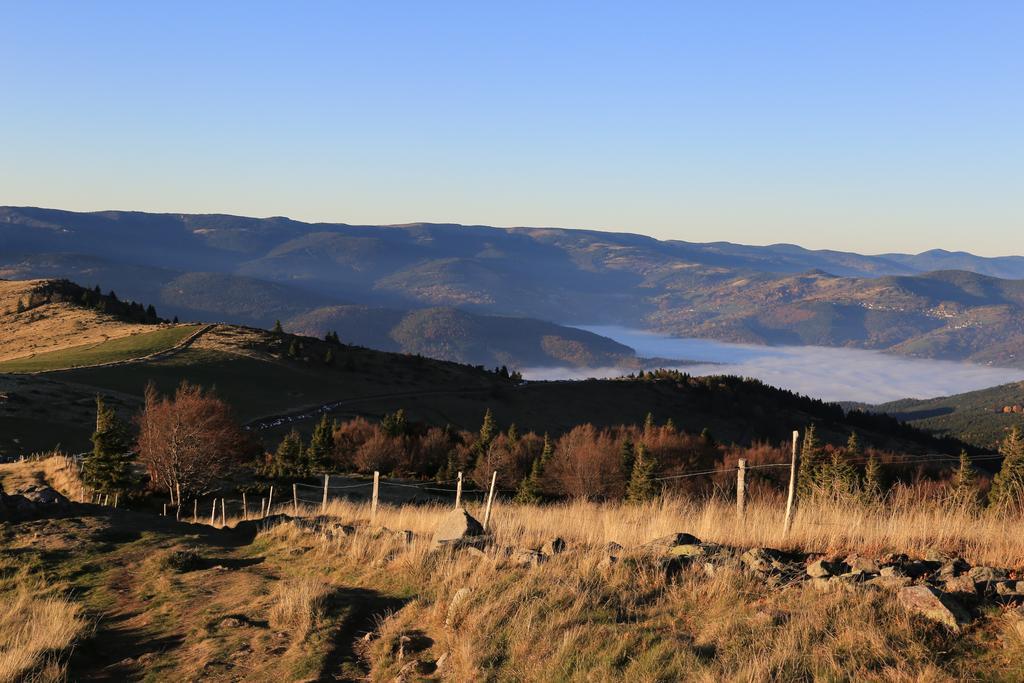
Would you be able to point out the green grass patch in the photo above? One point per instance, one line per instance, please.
(125, 348)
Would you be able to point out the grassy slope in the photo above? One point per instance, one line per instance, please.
(977, 417)
(290, 604)
(125, 348)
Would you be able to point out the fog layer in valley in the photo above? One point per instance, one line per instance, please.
(833, 374)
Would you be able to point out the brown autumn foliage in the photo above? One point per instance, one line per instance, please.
(586, 463)
(190, 440)
(379, 453)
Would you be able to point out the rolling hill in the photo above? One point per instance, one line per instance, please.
(981, 418)
(274, 381)
(246, 270)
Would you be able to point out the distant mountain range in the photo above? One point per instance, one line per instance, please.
(937, 304)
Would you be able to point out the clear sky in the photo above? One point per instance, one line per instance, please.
(871, 126)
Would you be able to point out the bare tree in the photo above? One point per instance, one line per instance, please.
(189, 441)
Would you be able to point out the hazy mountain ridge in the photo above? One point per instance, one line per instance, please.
(254, 270)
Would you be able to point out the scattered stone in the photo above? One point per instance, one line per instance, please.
(666, 543)
(1015, 617)
(934, 605)
(764, 560)
(1010, 589)
(525, 557)
(440, 663)
(455, 607)
(695, 550)
(231, 622)
(553, 547)
(892, 571)
(457, 529)
(961, 585)
(915, 569)
(856, 563)
(824, 568)
(987, 575)
(889, 581)
(404, 537)
(954, 567)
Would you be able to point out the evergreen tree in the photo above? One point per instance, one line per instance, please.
(294, 348)
(854, 451)
(871, 489)
(530, 487)
(811, 455)
(395, 424)
(151, 312)
(648, 423)
(548, 451)
(1008, 484)
(964, 481)
(108, 468)
(512, 434)
(642, 486)
(487, 430)
(277, 327)
(175, 321)
(321, 446)
(838, 478)
(329, 357)
(627, 454)
(288, 458)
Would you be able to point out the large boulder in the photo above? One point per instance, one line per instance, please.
(934, 605)
(458, 529)
(665, 544)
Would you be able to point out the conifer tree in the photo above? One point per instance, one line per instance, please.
(642, 486)
(277, 327)
(288, 459)
(811, 455)
(321, 446)
(871, 489)
(329, 357)
(838, 477)
(964, 481)
(108, 468)
(627, 454)
(548, 451)
(395, 424)
(529, 491)
(487, 430)
(512, 434)
(294, 348)
(1008, 484)
(648, 423)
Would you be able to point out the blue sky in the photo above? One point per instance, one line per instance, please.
(871, 126)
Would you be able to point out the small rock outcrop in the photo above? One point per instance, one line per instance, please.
(458, 529)
(934, 605)
(553, 547)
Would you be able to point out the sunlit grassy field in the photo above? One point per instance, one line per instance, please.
(124, 348)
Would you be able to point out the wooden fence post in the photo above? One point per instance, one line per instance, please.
(490, 499)
(741, 488)
(195, 511)
(270, 499)
(458, 491)
(106, 501)
(263, 508)
(213, 513)
(223, 516)
(165, 509)
(177, 509)
(376, 491)
(791, 498)
(295, 500)
(177, 492)
(116, 495)
(323, 503)
(245, 507)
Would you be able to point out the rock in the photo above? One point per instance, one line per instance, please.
(613, 548)
(852, 577)
(611, 555)
(553, 547)
(666, 543)
(440, 663)
(954, 567)
(525, 557)
(918, 568)
(987, 575)
(888, 581)
(695, 550)
(1010, 589)
(231, 622)
(1015, 618)
(404, 537)
(856, 563)
(44, 496)
(456, 606)
(824, 568)
(763, 560)
(458, 528)
(934, 605)
(891, 571)
(961, 585)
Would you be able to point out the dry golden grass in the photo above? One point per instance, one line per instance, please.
(34, 631)
(53, 326)
(53, 470)
(906, 523)
(571, 618)
(297, 605)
